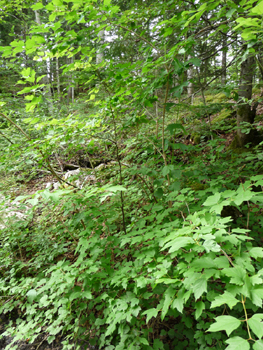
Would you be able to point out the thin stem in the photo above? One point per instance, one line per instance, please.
(243, 300)
(6, 138)
(52, 170)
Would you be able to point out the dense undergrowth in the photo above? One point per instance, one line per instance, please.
(170, 258)
(157, 242)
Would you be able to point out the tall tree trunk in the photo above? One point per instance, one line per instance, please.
(224, 54)
(99, 54)
(58, 80)
(70, 96)
(190, 87)
(45, 78)
(245, 112)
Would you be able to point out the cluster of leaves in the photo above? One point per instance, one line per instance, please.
(162, 255)
(174, 274)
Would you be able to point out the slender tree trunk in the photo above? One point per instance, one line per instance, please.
(70, 96)
(190, 87)
(45, 78)
(245, 112)
(99, 54)
(58, 80)
(224, 57)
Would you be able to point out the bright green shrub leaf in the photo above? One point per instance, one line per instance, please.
(257, 10)
(256, 280)
(37, 6)
(116, 188)
(199, 307)
(50, 339)
(256, 252)
(230, 13)
(258, 345)
(226, 298)
(225, 323)
(236, 273)
(178, 243)
(150, 313)
(110, 328)
(199, 287)
(168, 31)
(168, 296)
(178, 303)
(243, 196)
(31, 295)
(143, 341)
(237, 343)
(44, 301)
(255, 323)
(217, 208)
(87, 295)
(211, 245)
(166, 280)
(212, 200)
(257, 296)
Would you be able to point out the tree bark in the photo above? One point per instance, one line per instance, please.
(58, 80)
(99, 54)
(246, 112)
(190, 87)
(224, 53)
(70, 96)
(45, 79)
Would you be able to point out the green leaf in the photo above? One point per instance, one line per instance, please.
(150, 313)
(237, 343)
(168, 296)
(116, 188)
(168, 31)
(212, 200)
(50, 339)
(158, 193)
(172, 127)
(199, 287)
(225, 323)
(178, 303)
(236, 273)
(158, 345)
(257, 296)
(256, 252)
(258, 345)
(178, 243)
(255, 323)
(31, 295)
(226, 298)
(57, 2)
(243, 196)
(230, 13)
(37, 6)
(257, 10)
(199, 307)
(211, 245)
(143, 341)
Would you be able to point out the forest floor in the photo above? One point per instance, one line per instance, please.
(40, 343)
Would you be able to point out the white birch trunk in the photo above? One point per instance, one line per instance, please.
(45, 79)
(58, 79)
(71, 91)
(99, 54)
